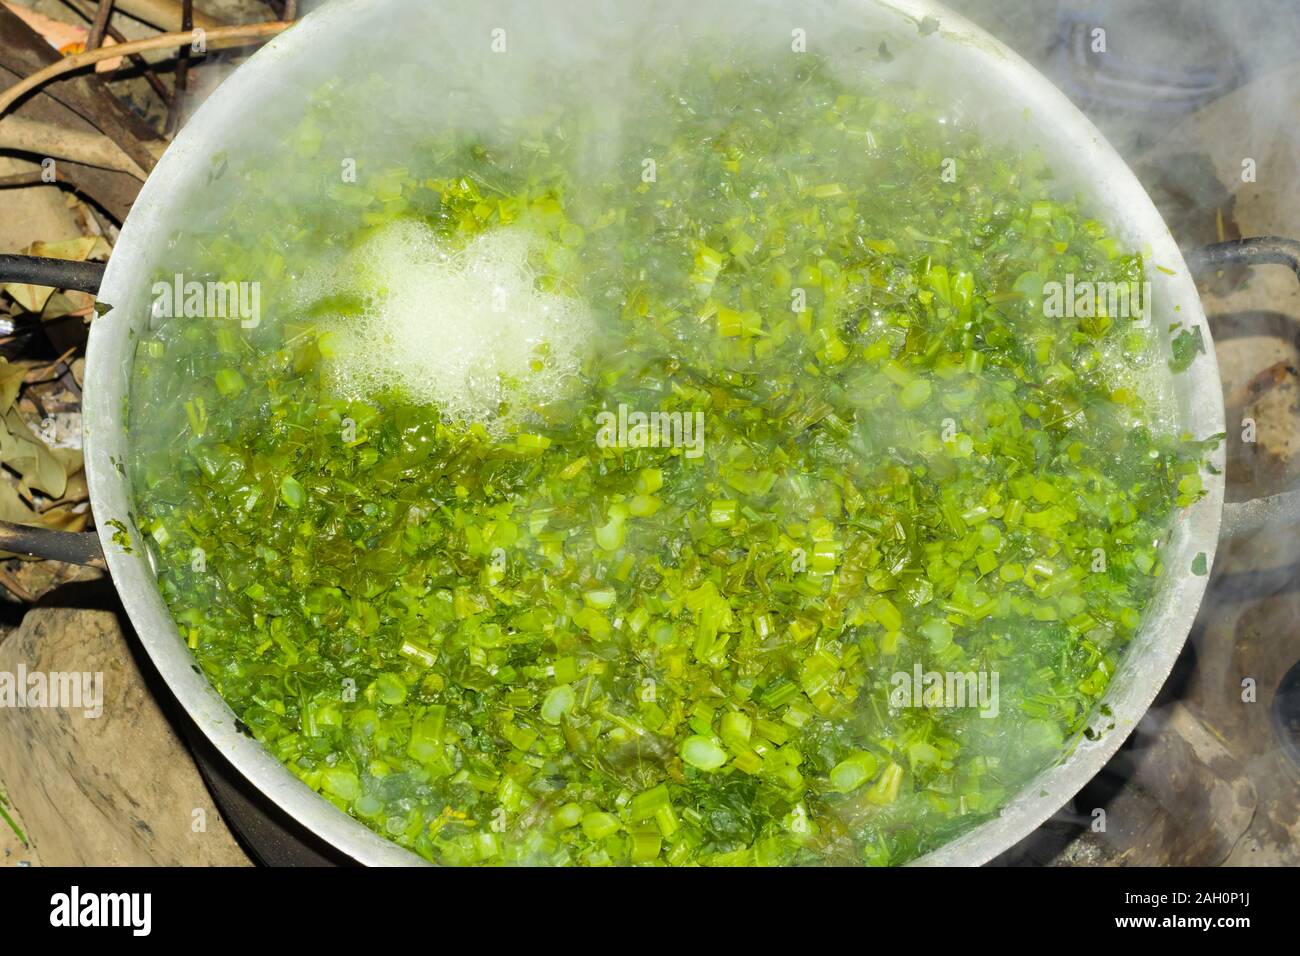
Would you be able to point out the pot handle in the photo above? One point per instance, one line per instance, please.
(1247, 517)
(68, 546)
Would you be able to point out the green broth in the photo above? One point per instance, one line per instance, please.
(504, 641)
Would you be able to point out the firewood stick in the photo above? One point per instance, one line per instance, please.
(98, 27)
(216, 38)
(89, 13)
(164, 14)
(80, 146)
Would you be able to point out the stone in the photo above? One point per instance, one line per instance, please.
(116, 789)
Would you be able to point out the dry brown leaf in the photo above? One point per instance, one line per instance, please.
(37, 466)
(58, 518)
(77, 489)
(11, 380)
(63, 518)
(13, 508)
(79, 304)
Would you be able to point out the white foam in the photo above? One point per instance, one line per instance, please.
(464, 329)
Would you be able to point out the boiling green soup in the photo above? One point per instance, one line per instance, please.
(717, 489)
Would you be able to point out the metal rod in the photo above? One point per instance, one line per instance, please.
(1247, 517)
(55, 273)
(69, 546)
(1255, 250)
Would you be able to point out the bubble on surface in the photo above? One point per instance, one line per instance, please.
(471, 330)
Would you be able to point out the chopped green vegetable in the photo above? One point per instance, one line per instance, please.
(703, 754)
(853, 772)
(505, 641)
(9, 821)
(1186, 345)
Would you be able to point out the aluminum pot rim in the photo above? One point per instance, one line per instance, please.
(108, 371)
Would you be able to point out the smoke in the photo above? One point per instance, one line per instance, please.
(1202, 98)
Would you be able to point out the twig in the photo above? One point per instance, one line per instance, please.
(81, 146)
(144, 66)
(35, 177)
(23, 53)
(1267, 380)
(182, 70)
(36, 374)
(164, 14)
(27, 597)
(249, 33)
(95, 39)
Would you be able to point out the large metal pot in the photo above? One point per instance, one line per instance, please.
(962, 58)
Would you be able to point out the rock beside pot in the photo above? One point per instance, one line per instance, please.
(102, 779)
